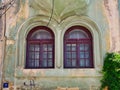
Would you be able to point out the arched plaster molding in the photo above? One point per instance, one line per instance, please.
(24, 30)
(95, 31)
(59, 30)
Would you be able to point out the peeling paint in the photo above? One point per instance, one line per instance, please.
(9, 42)
(99, 16)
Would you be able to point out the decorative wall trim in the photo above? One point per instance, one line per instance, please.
(59, 30)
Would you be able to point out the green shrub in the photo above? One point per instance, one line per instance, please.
(111, 72)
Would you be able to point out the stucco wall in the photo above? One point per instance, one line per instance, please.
(96, 15)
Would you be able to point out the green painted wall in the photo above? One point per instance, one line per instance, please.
(27, 14)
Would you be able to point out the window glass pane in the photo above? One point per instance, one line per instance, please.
(31, 55)
(31, 48)
(87, 62)
(37, 48)
(73, 54)
(68, 46)
(41, 34)
(68, 63)
(49, 54)
(77, 34)
(36, 55)
(74, 63)
(36, 63)
(81, 47)
(68, 54)
(31, 63)
(44, 63)
(50, 64)
(44, 47)
(82, 55)
(44, 54)
(49, 47)
(86, 54)
(82, 62)
(73, 47)
(87, 47)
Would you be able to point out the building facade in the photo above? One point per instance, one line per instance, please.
(57, 43)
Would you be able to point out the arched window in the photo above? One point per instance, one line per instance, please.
(78, 51)
(40, 48)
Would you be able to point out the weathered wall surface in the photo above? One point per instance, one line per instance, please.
(1, 44)
(112, 13)
(99, 16)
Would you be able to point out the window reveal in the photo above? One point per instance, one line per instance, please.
(40, 48)
(78, 48)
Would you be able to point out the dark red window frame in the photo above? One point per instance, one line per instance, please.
(78, 52)
(40, 52)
